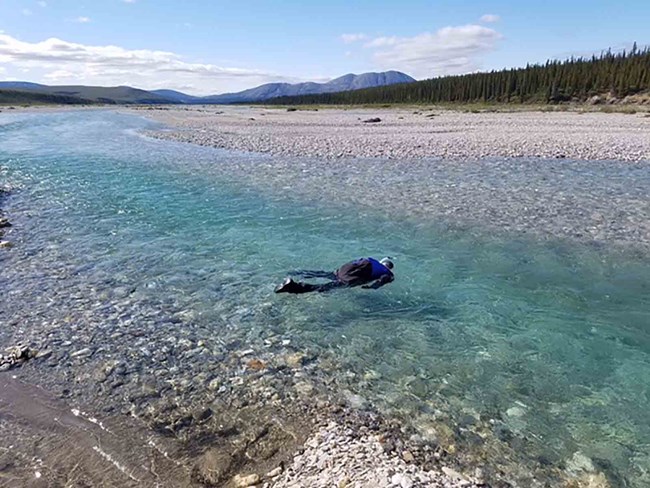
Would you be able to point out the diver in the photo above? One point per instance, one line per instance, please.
(365, 272)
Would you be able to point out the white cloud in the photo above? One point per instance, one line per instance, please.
(490, 18)
(82, 20)
(58, 76)
(71, 63)
(350, 38)
(26, 11)
(381, 42)
(448, 51)
(42, 4)
(128, 1)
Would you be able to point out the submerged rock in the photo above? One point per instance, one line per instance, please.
(213, 467)
(589, 480)
(580, 463)
(255, 365)
(296, 360)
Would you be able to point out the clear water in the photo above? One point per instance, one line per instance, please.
(549, 340)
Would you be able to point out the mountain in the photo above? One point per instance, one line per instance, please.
(344, 83)
(176, 96)
(20, 85)
(126, 94)
(100, 94)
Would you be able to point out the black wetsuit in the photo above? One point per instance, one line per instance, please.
(360, 272)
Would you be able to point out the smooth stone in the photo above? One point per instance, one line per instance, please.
(401, 480)
(515, 412)
(580, 462)
(304, 388)
(82, 353)
(243, 481)
(274, 472)
(353, 400)
(453, 474)
(408, 456)
(295, 360)
(591, 480)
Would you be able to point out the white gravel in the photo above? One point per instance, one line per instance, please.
(334, 456)
(402, 133)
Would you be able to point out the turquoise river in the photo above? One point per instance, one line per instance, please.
(547, 338)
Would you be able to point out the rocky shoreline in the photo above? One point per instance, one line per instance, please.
(255, 424)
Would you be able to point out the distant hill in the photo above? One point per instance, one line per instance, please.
(343, 83)
(99, 94)
(176, 96)
(128, 95)
(20, 85)
(20, 97)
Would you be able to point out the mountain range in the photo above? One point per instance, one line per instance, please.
(126, 94)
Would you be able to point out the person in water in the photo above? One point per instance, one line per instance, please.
(365, 272)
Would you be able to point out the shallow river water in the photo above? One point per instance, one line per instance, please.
(547, 341)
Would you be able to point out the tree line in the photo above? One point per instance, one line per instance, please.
(575, 79)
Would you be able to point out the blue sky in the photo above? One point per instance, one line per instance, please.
(205, 47)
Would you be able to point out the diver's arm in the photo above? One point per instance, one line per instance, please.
(383, 280)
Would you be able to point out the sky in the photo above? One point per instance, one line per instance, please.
(206, 47)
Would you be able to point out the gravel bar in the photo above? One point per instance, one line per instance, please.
(404, 134)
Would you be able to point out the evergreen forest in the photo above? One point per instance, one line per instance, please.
(572, 80)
